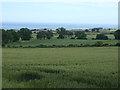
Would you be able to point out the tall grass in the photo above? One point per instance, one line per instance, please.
(60, 67)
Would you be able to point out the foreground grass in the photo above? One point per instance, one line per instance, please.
(60, 67)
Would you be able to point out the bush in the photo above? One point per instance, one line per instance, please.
(93, 39)
(86, 45)
(80, 35)
(98, 43)
(118, 44)
(82, 38)
(3, 45)
(72, 38)
(8, 46)
(106, 44)
(42, 46)
(60, 36)
(117, 34)
(14, 46)
(20, 46)
(101, 37)
(71, 45)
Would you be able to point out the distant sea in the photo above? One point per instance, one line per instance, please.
(17, 26)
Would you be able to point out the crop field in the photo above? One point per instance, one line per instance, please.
(84, 67)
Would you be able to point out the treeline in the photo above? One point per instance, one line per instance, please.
(11, 35)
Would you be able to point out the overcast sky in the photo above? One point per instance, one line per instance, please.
(63, 11)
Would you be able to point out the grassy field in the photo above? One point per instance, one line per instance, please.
(88, 67)
(55, 41)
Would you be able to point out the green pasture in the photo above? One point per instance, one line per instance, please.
(55, 41)
(85, 67)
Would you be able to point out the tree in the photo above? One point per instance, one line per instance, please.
(62, 32)
(80, 35)
(15, 35)
(49, 34)
(69, 33)
(25, 34)
(99, 43)
(86, 30)
(101, 37)
(9, 36)
(117, 34)
(96, 29)
(60, 37)
(93, 30)
(44, 35)
(6, 37)
(41, 35)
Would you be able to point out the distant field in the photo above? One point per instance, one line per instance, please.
(60, 67)
(55, 41)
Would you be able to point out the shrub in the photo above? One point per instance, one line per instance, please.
(118, 44)
(42, 46)
(80, 35)
(86, 45)
(117, 34)
(93, 39)
(8, 46)
(72, 38)
(82, 38)
(98, 43)
(71, 45)
(15, 46)
(20, 46)
(60, 36)
(106, 44)
(101, 37)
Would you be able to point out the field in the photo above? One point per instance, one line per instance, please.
(85, 67)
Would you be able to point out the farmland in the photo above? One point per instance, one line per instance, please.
(84, 67)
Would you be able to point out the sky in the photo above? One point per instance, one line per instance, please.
(61, 11)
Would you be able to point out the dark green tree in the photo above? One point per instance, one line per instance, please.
(25, 34)
(117, 34)
(60, 36)
(69, 33)
(80, 35)
(44, 35)
(49, 34)
(96, 29)
(101, 37)
(41, 35)
(15, 35)
(86, 30)
(62, 32)
(6, 37)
